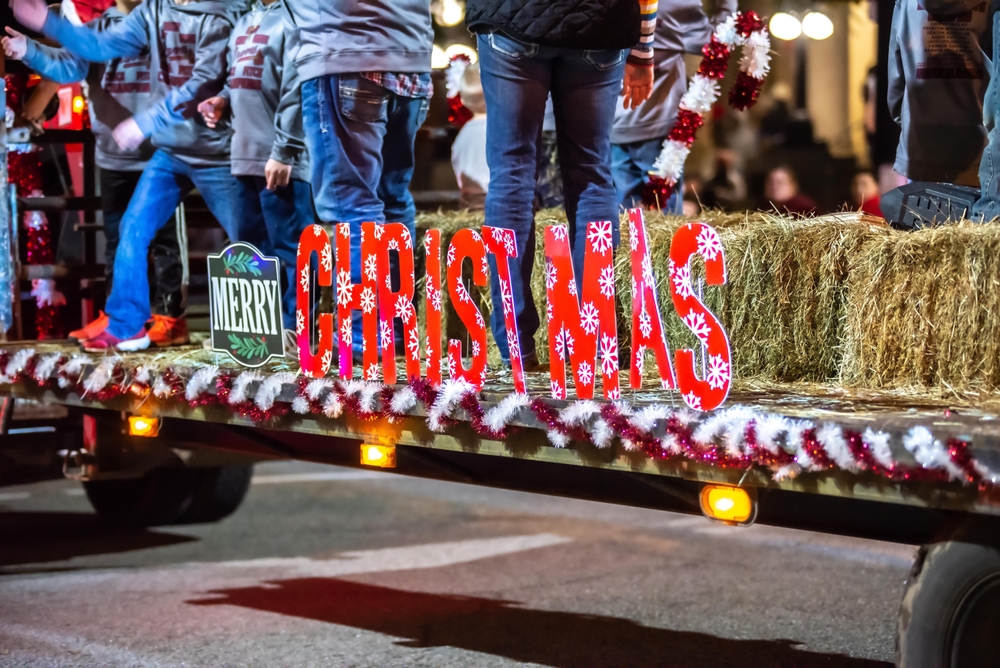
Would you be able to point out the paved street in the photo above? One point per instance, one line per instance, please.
(325, 566)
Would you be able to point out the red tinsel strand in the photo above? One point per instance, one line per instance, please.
(115, 388)
(761, 455)
(29, 367)
(550, 416)
(386, 395)
(625, 430)
(744, 92)
(4, 360)
(748, 23)
(656, 193)
(174, 382)
(814, 449)
(686, 126)
(715, 59)
(458, 113)
(958, 450)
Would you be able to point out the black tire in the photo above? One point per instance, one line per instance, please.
(950, 614)
(218, 493)
(160, 497)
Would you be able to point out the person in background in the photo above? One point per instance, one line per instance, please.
(577, 51)
(637, 134)
(187, 44)
(269, 160)
(117, 90)
(366, 88)
(781, 194)
(865, 194)
(468, 152)
(727, 189)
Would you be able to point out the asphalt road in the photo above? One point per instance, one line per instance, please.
(324, 566)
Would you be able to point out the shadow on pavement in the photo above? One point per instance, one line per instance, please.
(557, 639)
(30, 538)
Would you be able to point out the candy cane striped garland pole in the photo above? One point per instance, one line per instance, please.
(743, 29)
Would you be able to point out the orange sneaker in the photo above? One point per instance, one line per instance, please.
(91, 329)
(167, 331)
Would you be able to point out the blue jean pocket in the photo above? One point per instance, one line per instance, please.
(604, 59)
(362, 100)
(511, 47)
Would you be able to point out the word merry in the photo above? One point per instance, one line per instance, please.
(582, 326)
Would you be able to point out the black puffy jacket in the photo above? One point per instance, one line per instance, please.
(575, 24)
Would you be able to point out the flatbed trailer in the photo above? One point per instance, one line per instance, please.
(204, 419)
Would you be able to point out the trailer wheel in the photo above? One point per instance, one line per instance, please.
(218, 493)
(950, 614)
(161, 496)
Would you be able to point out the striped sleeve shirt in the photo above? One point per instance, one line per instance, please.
(642, 53)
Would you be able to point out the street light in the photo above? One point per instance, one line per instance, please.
(785, 26)
(817, 25)
(448, 13)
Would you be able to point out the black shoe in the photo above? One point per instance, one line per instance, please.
(924, 204)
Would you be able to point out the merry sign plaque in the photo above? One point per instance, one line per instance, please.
(245, 294)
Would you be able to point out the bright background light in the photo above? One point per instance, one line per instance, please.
(448, 13)
(785, 26)
(439, 61)
(816, 25)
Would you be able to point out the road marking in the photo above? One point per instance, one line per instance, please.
(69, 644)
(281, 478)
(14, 496)
(74, 491)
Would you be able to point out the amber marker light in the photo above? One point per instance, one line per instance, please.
(77, 104)
(143, 426)
(382, 456)
(725, 503)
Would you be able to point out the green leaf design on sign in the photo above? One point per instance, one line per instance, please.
(241, 264)
(250, 347)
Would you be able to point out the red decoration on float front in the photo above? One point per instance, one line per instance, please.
(710, 393)
(467, 244)
(399, 303)
(647, 328)
(313, 239)
(582, 331)
(502, 243)
(432, 295)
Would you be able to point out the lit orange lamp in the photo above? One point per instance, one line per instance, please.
(725, 503)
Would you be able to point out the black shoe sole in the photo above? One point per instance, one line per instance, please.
(922, 204)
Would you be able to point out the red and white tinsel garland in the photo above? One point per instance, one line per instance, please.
(742, 29)
(733, 438)
(458, 113)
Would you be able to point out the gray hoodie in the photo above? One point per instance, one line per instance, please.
(263, 94)
(117, 89)
(341, 36)
(681, 27)
(938, 75)
(187, 47)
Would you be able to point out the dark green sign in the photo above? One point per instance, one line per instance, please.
(245, 294)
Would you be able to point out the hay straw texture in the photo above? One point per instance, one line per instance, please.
(840, 298)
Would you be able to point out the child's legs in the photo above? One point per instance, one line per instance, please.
(217, 186)
(287, 211)
(250, 212)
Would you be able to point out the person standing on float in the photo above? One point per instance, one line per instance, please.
(366, 89)
(638, 134)
(187, 41)
(585, 53)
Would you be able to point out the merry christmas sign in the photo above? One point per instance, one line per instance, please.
(582, 323)
(245, 294)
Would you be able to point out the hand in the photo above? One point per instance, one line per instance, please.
(16, 45)
(128, 135)
(30, 13)
(211, 110)
(277, 174)
(637, 85)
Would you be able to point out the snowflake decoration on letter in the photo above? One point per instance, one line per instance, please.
(609, 355)
(317, 230)
(475, 348)
(345, 229)
(404, 308)
(682, 281)
(693, 400)
(304, 279)
(379, 231)
(393, 245)
(647, 271)
(434, 298)
(607, 281)
(696, 323)
(599, 235)
(558, 391)
(345, 289)
(585, 374)
(300, 321)
(346, 333)
(640, 359)
(463, 294)
(326, 258)
(371, 373)
(367, 300)
(371, 270)
(633, 236)
(589, 318)
(709, 244)
(718, 372)
(559, 232)
(550, 274)
(451, 254)
(645, 322)
(564, 343)
(326, 361)
(413, 343)
(385, 332)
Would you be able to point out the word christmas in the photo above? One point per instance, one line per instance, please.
(581, 322)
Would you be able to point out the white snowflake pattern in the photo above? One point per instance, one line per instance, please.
(498, 234)
(300, 322)
(371, 267)
(326, 258)
(393, 244)
(407, 240)
(413, 343)
(718, 372)
(304, 279)
(506, 298)
(558, 391)
(564, 343)
(371, 373)
(647, 271)
(635, 292)
(463, 294)
(404, 308)
(479, 319)
(607, 282)
(346, 333)
(475, 348)
(693, 400)
(326, 361)
(549, 312)
(696, 323)
(681, 278)
(427, 243)
(614, 394)
(609, 355)
(550, 274)
(513, 346)
(482, 376)
(572, 286)
(379, 231)
(367, 300)
(388, 282)
(429, 349)
(385, 334)
(508, 243)
(585, 374)
(590, 319)
(640, 359)
(559, 232)
(345, 288)
(451, 254)
(599, 235)
(434, 297)
(645, 322)
(709, 244)
(452, 364)
(633, 236)
(317, 230)
(486, 265)
(345, 229)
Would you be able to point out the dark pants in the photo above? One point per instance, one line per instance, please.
(282, 214)
(166, 272)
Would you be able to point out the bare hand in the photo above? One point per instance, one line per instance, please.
(128, 135)
(637, 85)
(212, 109)
(30, 13)
(14, 46)
(277, 174)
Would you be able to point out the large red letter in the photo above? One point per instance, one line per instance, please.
(647, 327)
(711, 392)
(432, 293)
(467, 244)
(357, 296)
(576, 331)
(313, 239)
(502, 243)
(399, 304)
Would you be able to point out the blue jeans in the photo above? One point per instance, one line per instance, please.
(631, 164)
(278, 218)
(360, 138)
(988, 205)
(517, 78)
(163, 186)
